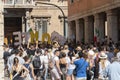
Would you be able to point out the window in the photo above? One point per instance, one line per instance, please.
(42, 27)
(71, 1)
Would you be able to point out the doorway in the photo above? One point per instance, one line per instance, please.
(11, 24)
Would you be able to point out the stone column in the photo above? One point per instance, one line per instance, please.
(27, 20)
(1, 24)
(112, 25)
(77, 30)
(86, 32)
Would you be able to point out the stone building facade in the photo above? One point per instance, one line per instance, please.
(90, 19)
(21, 15)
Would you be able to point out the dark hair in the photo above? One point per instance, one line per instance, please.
(14, 62)
(63, 54)
(56, 51)
(17, 51)
(26, 58)
(38, 51)
(80, 54)
(70, 55)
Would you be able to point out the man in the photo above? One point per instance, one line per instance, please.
(56, 71)
(6, 54)
(81, 67)
(113, 70)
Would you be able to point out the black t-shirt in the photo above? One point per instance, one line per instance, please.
(31, 52)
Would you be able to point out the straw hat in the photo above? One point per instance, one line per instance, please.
(91, 52)
(102, 55)
(78, 48)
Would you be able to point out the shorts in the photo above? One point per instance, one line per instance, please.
(82, 78)
(70, 72)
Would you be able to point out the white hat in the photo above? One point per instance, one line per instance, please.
(91, 52)
(102, 55)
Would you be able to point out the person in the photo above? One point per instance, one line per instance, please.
(31, 50)
(29, 66)
(66, 49)
(37, 61)
(6, 55)
(81, 67)
(78, 49)
(17, 70)
(91, 60)
(113, 70)
(15, 53)
(46, 60)
(63, 64)
(70, 66)
(102, 65)
(56, 71)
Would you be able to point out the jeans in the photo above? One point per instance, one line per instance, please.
(46, 74)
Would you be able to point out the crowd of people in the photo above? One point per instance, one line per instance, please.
(94, 61)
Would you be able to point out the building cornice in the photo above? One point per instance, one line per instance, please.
(49, 7)
(95, 10)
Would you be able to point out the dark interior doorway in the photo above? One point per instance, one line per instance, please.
(11, 24)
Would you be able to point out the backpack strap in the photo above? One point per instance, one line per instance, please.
(81, 65)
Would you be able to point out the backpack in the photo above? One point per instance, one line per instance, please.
(36, 62)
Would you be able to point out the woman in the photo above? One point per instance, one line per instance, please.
(17, 70)
(29, 66)
(102, 65)
(70, 66)
(63, 64)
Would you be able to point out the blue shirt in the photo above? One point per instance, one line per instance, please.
(81, 67)
(113, 71)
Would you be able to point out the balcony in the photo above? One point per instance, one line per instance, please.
(18, 3)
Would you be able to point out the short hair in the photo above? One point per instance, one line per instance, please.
(17, 51)
(38, 51)
(26, 58)
(63, 54)
(56, 51)
(80, 54)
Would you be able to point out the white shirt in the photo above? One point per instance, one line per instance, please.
(42, 60)
(102, 70)
(70, 66)
(46, 60)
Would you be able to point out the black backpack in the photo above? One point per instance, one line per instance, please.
(36, 62)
